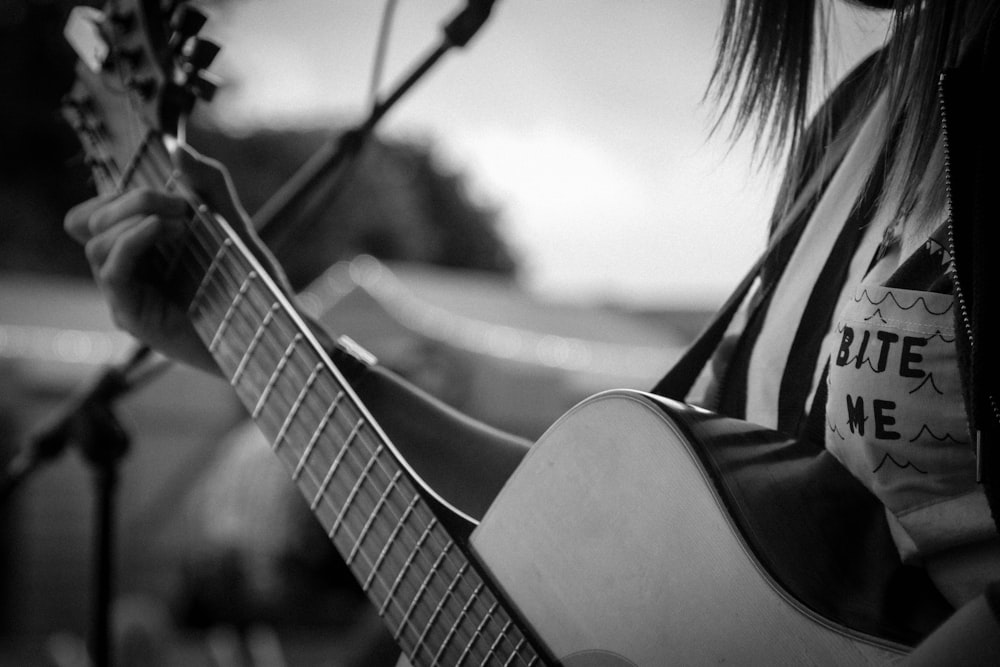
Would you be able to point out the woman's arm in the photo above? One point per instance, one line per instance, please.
(970, 638)
(464, 460)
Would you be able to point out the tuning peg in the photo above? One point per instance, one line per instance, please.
(75, 101)
(73, 117)
(200, 53)
(121, 19)
(203, 85)
(186, 21)
(78, 110)
(130, 55)
(144, 85)
(94, 162)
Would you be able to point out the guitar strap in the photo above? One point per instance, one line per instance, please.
(681, 377)
(836, 115)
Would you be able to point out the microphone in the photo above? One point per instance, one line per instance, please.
(332, 156)
(467, 22)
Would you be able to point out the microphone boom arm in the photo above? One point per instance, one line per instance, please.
(333, 155)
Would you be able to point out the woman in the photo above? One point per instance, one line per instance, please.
(864, 330)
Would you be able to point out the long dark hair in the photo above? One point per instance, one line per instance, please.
(769, 52)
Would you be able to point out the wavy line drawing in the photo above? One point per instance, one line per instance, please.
(926, 430)
(929, 378)
(833, 429)
(901, 466)
(938, 334)
(891, 295)
(881, 317)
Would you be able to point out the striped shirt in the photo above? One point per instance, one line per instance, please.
(847, 338)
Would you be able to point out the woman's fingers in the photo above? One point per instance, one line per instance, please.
(94, 217)
(118, 234)
(115, 252)
(142, 202)
(114, 257)
(133, 243)
(77, 220)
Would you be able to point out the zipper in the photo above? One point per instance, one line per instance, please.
(963, 309)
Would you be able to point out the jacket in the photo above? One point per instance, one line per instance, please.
(972, 145)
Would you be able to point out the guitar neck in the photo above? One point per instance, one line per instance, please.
(437, 605)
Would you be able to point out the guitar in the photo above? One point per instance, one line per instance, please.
(622, 539)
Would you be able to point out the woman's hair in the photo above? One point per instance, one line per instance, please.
(770, 51)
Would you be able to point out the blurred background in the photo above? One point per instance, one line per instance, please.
(542, 217)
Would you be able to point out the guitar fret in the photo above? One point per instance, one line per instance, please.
(300, 399)
(516, 654)
(420, 591)
(316, 436)
(496, 643)
(273, 380)
(432, 619)
(406, 565)
(371, 517)
(231, 310)
(389, 542)
(207, 278)
(333, 466)
(461, 614)
(354, 490)
(253, 344)
(478, 633)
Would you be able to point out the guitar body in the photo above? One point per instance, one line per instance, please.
(615, 546)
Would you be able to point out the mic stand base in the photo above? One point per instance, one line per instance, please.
(105, 492)
(103, 443)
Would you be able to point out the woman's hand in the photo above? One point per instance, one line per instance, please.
(117, 232)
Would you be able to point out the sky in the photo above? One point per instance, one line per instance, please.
(582, 120)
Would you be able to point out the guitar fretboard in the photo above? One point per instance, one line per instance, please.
(438, 607)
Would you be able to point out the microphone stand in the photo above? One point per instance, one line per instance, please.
(332, 156)
(88, 421)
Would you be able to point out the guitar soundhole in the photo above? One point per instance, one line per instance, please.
(596, 658)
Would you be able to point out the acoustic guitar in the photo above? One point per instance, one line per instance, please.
(628, 536)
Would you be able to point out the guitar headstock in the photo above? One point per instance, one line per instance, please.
(141, 70)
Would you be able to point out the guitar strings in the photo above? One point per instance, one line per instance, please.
(345, 464)
(390, 505)
(368, 448)
(390, 508)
